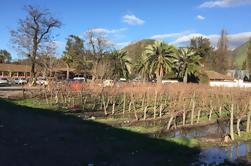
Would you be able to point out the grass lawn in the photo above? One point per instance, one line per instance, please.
(35, 134)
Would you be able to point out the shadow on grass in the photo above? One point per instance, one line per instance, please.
(40, 137)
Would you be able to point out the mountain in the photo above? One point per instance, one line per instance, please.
(240, 55)
(135, 50)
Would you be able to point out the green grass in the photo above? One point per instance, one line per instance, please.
(191, 143)
(33, 103)
(39, 103)
(141, 129)
(73, 139)
(109, 120)
(244, 137)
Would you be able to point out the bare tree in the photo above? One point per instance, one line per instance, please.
(98, 45)
(47, 60)
(33, 33)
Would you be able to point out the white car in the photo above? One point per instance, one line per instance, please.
(21, 81)
(79, 79)
(42, 81)
(4, 82)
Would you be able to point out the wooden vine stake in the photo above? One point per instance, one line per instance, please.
(232, 122)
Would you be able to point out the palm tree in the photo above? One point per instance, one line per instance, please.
(159, 59)
(141, 68)
(188, 62)
(121, 64)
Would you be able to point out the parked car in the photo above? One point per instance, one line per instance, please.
(4, 82)
(122, 80)
(79, 79)
(42, 81)
(21, 81)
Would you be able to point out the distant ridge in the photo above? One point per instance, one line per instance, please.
(240, 55)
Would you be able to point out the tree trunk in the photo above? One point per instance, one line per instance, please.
(67, 72)
(159, 75)
(33, 74)
(185, 77)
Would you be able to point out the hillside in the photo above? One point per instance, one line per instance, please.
(135, 50)
(240, 55)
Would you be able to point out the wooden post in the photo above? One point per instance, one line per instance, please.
(124, 104)
(238, 126)
(220, 111)
(155, 104)
(198, 116)
(130, 105)
(184, 117)
(105, 106)
(145, 110)
(248, 117)
(143, 103)
(232, 122)
(170, 122)
(211, 111)
(113, 107)
(134, 107)
(192, 112)
(160, 110)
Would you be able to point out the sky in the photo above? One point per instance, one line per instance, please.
(128, 21)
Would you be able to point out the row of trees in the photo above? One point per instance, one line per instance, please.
(95, 56)
(160, 59)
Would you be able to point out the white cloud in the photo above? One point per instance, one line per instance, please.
(183, 39)
(132, 20)
(235, 40)
(200, 17)
(123, 44)
(168, 35)
(108, 31)
(224, 3)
